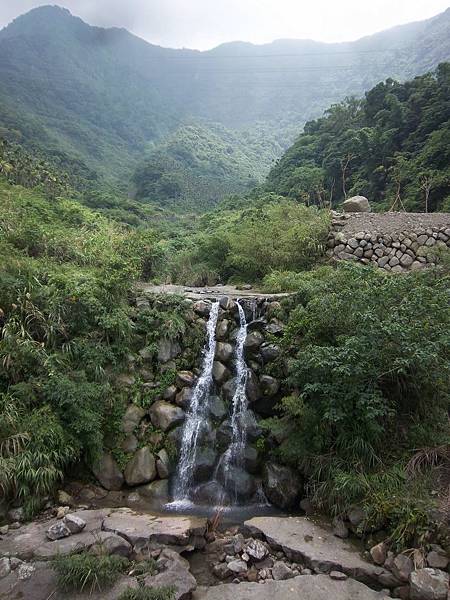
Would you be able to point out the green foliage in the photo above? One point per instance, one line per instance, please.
(369, 358)
(247, 244)
(393, 145)
(147, 593)
(65, 318)
(88, 572)
(201, 163)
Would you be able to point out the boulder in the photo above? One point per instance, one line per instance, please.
(74, 523)
(269, 352)
(256, 550)
(211, 493)
(340, 529)
(237, 566)
(269, 385)
(238, 483)
(224, 433)
(157, 491)
(216, 407)
(228, 389)
(227, 303)
(224, 351)
(110, 543)
(379, 553)
(304, 541)
(58, 530)
(185, 378)
(428, 584)
(204, 464)
(170, 393)
(257, 324)
(248, 420)
(402, 567)
(202, 308)
(165, 416)
(163, 464)
(183, 398)
(173, 573)
(108, 473)
(275, 327)
(220, 372)
(16, 514)
(253, 341)
(282, 485)
(252, 388)
(437, 558)
(141, 468)
(222, 329)
(175, 436)
(64, 499)
(356, 204)
(251, 459)
(167, 350)
(129, 444)
(356, 515)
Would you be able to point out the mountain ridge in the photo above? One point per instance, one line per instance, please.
(106, 97)
(55, 9)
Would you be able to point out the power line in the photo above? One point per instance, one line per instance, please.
(211, 54)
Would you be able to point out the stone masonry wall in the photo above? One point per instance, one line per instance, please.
(396, 242)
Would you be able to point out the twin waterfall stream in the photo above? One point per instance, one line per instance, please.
(221, 488)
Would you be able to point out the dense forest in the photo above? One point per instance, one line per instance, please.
(392, 146)
(202, 163)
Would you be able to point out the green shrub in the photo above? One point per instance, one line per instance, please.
(369, 358)
(65, 323)
(88, 572)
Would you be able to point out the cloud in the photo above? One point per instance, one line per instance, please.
(207, 23)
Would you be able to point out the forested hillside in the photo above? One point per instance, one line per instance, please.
(199, 164)
(392, 146)
(105, 97)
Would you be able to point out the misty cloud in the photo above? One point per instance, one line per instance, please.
(207, 23)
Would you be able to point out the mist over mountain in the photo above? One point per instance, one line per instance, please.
(108, 99)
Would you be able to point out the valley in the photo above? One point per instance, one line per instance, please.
(224, 316)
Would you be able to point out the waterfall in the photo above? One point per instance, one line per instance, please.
(234, 455)
(197, 415)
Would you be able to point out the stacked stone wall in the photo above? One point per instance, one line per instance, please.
(396, 242)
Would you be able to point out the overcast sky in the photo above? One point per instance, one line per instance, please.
(203, 24)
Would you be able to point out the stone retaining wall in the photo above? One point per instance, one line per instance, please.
(396, 242)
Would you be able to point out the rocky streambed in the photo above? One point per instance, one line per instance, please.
(264, 557)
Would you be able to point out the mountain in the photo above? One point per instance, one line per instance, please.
(392, 146)
(106, 98)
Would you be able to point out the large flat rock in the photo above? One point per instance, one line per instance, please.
(30, 541)
(304, 587)
(305, 541)
(139, 528)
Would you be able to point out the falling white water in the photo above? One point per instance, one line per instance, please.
(196, 416)
(234, 455)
